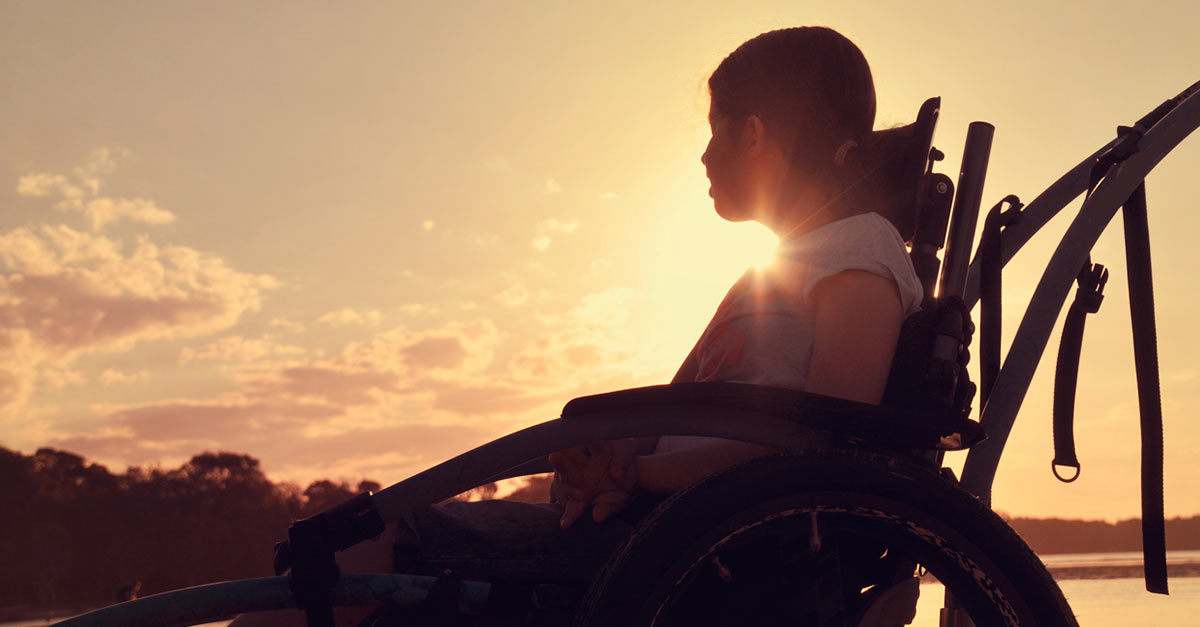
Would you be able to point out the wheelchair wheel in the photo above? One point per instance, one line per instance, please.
(813, 539)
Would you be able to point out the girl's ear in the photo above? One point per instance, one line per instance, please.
(754, 134)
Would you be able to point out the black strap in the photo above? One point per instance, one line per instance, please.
(1145, 354)
(1066, 371)
(1145, 357)
(1088, 297)
(313, 569)
(990, 306)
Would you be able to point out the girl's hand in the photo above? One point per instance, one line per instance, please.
(600, 475)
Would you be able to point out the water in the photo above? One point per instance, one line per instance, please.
(1104, 603)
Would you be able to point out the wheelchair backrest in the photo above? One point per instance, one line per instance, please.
(919, 205)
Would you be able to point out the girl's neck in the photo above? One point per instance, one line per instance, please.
(808, 209)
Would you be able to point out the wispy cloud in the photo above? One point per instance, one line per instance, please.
(418, 309)
(111, 376)
(347, 315)
(236, 348)
(589, 342)
(546, 228)
(69, 290)
(378, 388)
(65, 292)
(513, 296)
(80, 193)
(286, 324)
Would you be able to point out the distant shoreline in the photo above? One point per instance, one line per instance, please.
(1120, 571)
(1066, 572)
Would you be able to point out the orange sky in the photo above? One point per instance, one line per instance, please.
(353, 243)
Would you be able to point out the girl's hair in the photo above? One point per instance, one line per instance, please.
(812, 88)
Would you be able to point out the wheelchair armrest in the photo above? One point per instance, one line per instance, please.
(851, 421)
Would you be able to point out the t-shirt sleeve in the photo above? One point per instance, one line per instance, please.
(868, 243)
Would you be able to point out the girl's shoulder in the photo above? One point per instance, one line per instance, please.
(866, 241)
(861, 235)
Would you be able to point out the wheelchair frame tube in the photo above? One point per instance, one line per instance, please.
(525, 450)
(217, 601)
(965, 216)
(1034, 216)
(1027, 347)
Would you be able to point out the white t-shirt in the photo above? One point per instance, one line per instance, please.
(763, 330)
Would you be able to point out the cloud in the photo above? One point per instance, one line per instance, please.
(110, 376)
(42, 184)
(287, 325)
(64, 293)
(428, 225)
(515, 295)
(552, 186)
(546, 227)
(346, 315)
(454, 349)
(81, 194)
(102, 211)
(102, 161)
(609, 196)
(590, 342)
(72, 291)
(62, 377)
(418, 309)
(334, 387)
(236, 348)
(484, 240)
(551, 225)
(397, 377)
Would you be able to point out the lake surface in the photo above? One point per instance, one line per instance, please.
(1106, 602)
(1096, 602)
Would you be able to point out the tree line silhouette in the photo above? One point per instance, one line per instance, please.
(75, 535)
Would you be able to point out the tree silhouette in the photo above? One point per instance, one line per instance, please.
(75, 534)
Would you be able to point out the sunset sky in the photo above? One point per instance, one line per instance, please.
(355, 241)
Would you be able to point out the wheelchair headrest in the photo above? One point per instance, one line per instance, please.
(902, 159)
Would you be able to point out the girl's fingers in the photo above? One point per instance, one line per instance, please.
(571, 513)
(608, 503)
(568, 471)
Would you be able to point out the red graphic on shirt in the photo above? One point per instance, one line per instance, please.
(723, 348)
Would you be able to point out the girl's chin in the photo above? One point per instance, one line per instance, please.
(730, 212)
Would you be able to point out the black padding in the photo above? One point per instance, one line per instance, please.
(887, 427)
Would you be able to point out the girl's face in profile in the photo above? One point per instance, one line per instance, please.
(724, 164)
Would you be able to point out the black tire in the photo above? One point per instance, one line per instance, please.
(756, 544)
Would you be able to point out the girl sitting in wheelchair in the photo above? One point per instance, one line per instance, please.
(793, 147)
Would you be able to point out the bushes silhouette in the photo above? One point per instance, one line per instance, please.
(74, 534)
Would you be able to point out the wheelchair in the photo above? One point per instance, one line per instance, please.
(840, 535)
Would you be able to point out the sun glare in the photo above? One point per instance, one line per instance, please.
(690, 260)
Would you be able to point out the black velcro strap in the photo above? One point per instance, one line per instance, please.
(1145, 356)
(990, 306)
(1088, 297)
